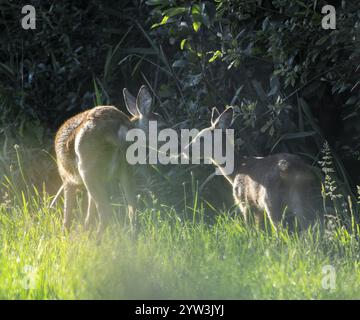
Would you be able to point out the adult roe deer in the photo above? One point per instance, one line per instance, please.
(91, 148)
(269, 184)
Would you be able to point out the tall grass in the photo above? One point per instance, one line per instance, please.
(172, 257)
(192, 252)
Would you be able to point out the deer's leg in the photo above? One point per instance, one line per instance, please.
(91, 213)
(272, 206)
(93, 176)
(128, 184)
(297, 205)
(243, 209)
(69, 201)
(259, 218)
(92, 162)
(240, 197)
(96, 188)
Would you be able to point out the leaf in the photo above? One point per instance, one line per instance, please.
(355, 85)
(351, 100)
(156, 2)
(265, 24)
(98, 96)
(266, 126)
(196, 16)
(195, 9)
(216, 54)
(196, 26)
(193, 80)
(182, 44)
(179, 63)
(172, 12)
(163, 21)
(274, 85)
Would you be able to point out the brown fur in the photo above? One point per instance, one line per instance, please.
(271, 185)
(91, 149)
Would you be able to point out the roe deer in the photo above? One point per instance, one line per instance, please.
(91, 148)
(270, 184)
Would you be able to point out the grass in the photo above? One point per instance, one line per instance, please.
(170, 259)
(177, 254)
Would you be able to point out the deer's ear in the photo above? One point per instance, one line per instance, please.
(225, 118)
(215, 114)
(130, 103)
(143, 101)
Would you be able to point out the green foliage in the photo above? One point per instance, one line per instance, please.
(293, 83)
(278, 43)
(47, 73)
(269, 59)
(326, 164)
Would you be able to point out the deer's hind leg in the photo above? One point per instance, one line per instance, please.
(90, 212)
(97, 195)
(244, 209)
(240, 196)
(93, 167)
(69, 202)
(271, 202)
(298, 205)
(128, 185)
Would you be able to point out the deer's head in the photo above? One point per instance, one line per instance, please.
(141, 109)
(216, 142)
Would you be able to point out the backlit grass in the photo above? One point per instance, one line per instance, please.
(170, 258)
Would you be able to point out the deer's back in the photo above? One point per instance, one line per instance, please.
(98, 126)
(64, 145)
(256, 178)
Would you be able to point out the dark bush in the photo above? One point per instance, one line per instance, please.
(293, 84)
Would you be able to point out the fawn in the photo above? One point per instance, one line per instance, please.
(91, 149)
(272, 185)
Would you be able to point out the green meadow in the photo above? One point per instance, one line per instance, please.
(293, 83)
(170, 258)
